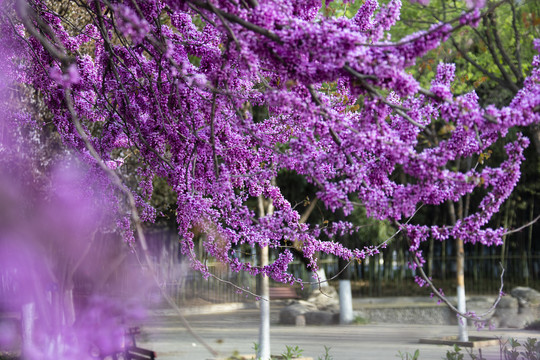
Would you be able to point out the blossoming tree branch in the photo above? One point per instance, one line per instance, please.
(174, 83)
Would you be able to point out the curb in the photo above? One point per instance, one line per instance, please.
(204, 309)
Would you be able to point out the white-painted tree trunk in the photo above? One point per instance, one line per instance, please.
(319, 279)
(461, 302)
(264, 326)
(28, 315)
(263, 352)
(346, 315)
(462, 307)
(69, 308)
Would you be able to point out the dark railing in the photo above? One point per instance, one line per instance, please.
(192, 289)
(482, 277)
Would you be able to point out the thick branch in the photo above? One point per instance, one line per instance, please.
(517, 39)
(236, 19)
(502, 50)
(509, 83)
(213, 137)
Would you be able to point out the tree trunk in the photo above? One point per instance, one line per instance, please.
(462, 307)
(69, 308)
(430, 258)
(263, 352)
(378, 273)
(371, 274)
(460, 277)
(318, 279)
(264, 326)
(345, 294)
(443, 261)
(535, 134)
(529, 247)
(28, 314)
(346, 315)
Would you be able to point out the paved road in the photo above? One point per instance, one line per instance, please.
(238, 331)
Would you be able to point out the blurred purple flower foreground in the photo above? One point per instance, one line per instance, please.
(62, 261)
(57, 261)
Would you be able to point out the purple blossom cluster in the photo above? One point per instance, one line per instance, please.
(178, 95)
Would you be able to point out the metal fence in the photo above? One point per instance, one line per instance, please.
(191, 288)
(482, 275)
(375, 278)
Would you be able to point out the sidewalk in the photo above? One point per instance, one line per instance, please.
(236, 330)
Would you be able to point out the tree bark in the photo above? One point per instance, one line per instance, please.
(264, 326)
(460, 277)
(345, 292)
(346, 315)
(535, 134)
(263, 352)
(462, 306)
(28, 314)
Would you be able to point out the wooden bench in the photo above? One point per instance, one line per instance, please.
(137, 353)
(132, 351)
(283, 292)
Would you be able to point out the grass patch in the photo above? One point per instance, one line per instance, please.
(359, 320)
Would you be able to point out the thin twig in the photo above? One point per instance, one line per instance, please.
(444, 299)
(522, 227)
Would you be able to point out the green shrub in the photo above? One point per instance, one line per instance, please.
(509, 349)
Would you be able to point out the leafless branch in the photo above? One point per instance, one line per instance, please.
(443, 298)
(522, 227)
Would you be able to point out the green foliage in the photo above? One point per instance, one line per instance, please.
(510, 349)
(359, 320)
(454, 354)
(476, 357)
(338, 8)
(235, 356)
(292, 352)
(327, 355)
(501, 47)
(532, 349)
(409, 356)
(373, 230)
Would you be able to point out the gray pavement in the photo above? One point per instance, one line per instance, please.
(237, 331)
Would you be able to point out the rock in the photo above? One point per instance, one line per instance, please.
(526, 296)
(517, 321)
(332, 308)
(321, 308)
(325, 299)
(289, 314)
(510, 313)
(508, 303)
(506, 311)
(321, 318)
